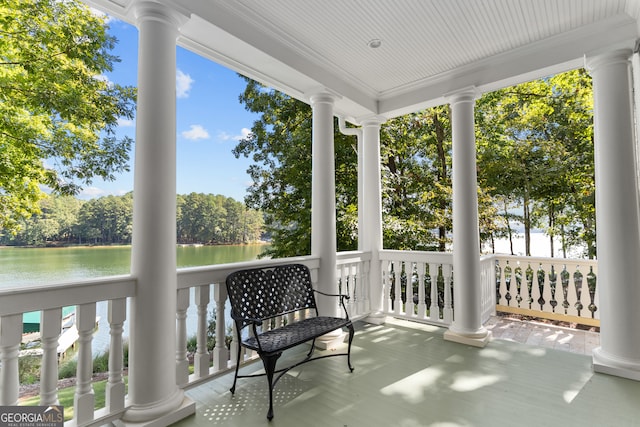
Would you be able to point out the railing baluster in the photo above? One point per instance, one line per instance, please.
(115, 390)
(447, 312)
(422, 305)
(10, 337)
(529, 278)
(235, 346)
(84, 398)
(434, 309)
(409, 304)
(397, 286)
(50, 328)
(220, 352)
(182, 363)
(386, 286)
(201, 358)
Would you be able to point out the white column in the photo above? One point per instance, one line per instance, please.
(617, 227)
(153, 393)
(467, 324)
(323, 200)
(371, 224)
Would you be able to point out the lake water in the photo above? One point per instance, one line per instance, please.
(24, 266)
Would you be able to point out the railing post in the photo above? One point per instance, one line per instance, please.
(50, 327)
(115, 391)
(10, 336)
(84, 397)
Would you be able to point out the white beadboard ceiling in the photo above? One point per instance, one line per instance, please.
(429, 48)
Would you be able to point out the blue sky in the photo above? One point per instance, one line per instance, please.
(210, 121)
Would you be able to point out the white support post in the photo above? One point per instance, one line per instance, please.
(323, 210)
(467, 324)
(371, 196)
(617, 219)
(323, 200)
(153, 393)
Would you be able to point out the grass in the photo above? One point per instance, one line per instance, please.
(66, 397)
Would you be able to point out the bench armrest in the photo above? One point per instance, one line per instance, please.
(342, 298)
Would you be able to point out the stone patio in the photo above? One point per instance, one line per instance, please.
(543, 335)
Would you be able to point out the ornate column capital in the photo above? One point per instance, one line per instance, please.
(594, 62)
(468, 94)
(323, 97)
(149, 10)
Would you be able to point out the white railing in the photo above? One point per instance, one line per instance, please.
(553, 288)
(49, 299)
(353, 280)
(200, 284)
(418, 285)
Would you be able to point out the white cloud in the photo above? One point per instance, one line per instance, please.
(224, 136)
(195, 133)
(103, 78)
(90, 192)
(125, 122)
(95, 192)
(183, 84)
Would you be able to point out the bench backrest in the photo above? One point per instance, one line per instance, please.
(265, 293)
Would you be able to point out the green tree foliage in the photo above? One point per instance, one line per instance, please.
(535, 166)
(58, 114)
(416, 177)
(535, 151)
(214, 219)
(416, 173)
(280, 146)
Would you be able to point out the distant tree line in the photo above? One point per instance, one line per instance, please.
(201, 218)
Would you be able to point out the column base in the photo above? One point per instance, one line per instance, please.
(475, 340)
(611, 365)
(378, 318)
(331, 341)
(156, 415)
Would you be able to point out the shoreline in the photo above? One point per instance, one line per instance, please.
(124, 245)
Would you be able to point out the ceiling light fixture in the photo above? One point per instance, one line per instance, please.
(374, 43)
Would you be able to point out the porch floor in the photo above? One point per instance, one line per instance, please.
(407, 375)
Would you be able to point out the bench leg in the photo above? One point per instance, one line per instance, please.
(235, 378)
(270, 367)
(313, 346)
(351, 332)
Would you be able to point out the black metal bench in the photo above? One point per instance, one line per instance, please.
(259, 295)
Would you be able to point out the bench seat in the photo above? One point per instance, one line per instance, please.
(293, 334)
(258, 296)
